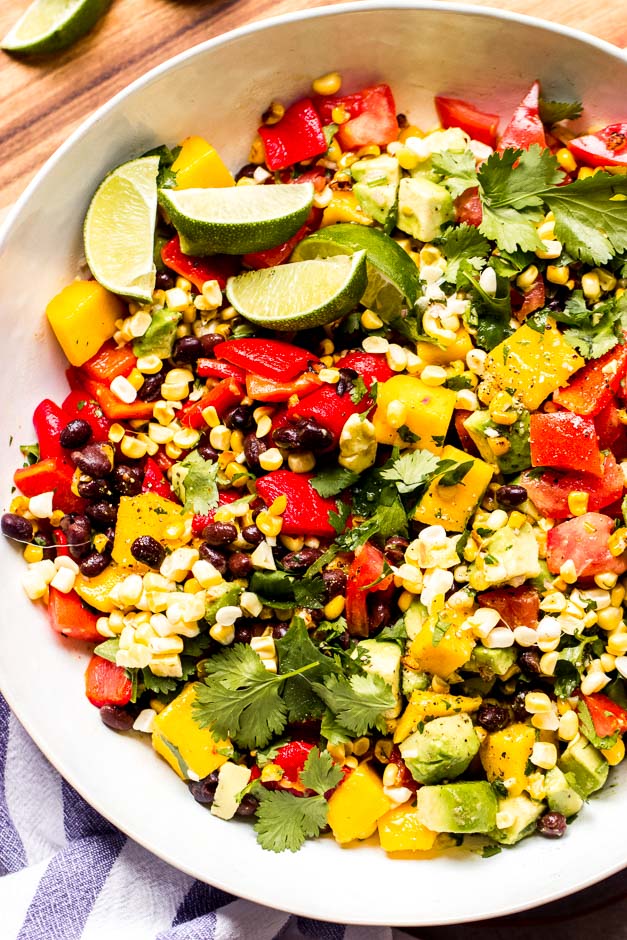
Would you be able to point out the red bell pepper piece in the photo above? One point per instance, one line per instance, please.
(594, 386)
(364, 576)
(291, 759)
(525, 127)
(607, 716)
(480, 125)
(270, 358)
(610, 429)
(549, 492)
(49, 421)
(60, 541)
(372, 116)
(109, 362)
(198, 270)
(297, 136)
(608, 147)
(199, 522)
(372, 367)
(565, 441)
(261, 389)
(113, 408)
(78, 404)
(211, 368)
(328, 409)
(154, 481)
(518, 607)
(306, 513)
(70, 617)
(106, 683)
(273, 256)
(468, 208)
(222, 396)
(46, 475)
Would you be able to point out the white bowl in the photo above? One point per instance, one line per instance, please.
(218, 89)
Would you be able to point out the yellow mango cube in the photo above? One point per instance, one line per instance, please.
(357, 805)
(82, 317)
(504, 755)
(199, 166)
(532, 364)
(400, 831)
(180, 740)
(426, 705)
(452, 651)
(146, 514)
(450, 351)
(452, 506)
(429, 411)
(97, 591)
(344, 208)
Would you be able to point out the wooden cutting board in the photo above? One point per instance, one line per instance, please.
(42, 101)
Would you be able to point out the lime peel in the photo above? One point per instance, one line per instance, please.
(50, 25)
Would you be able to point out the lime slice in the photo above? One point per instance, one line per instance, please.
(237, 219)
(393, 284)
(302, 295)
(120, 229)
(48, 25)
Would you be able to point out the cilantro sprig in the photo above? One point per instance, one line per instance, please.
(194, 482)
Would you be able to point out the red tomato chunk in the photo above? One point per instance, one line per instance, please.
(584, 541)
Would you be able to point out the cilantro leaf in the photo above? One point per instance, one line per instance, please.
(490, 314)
(358, 703)
(160, 685)
(456, 474)
(588, 221)
(285, 821)
(458, 170)
(339, 519)
(358, 535)
(332, 730)
(333, 480)
(320, 773)
(552, 112)
(396, 632)
(109, 649)
(463, 243)
(603, 329)
(166, 177)
(194, 482)
(411, 470)
(575, 311)
(295, 650)
(30, 452)
(588, 730)
(390, 516)
(358, 390)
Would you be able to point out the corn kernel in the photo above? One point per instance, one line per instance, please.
(132, 448)
(617, 645)
(271, 459)
(172, 451)
(328, 84)
(268, 524)
(370, 320)
(264, 426)
(334, 608)
(557, 274)
(568, 572)
(33, 553)
(617, 596)
(594, 682)
(396, 413)
(568, 726)
(302, 462)
(136, 379)
(566, 160)
(433, 375)
(617, 542)
(544, 755)
(174, 392)
(279, 505)
(527, 278)
(405, 600)
(537, 703)
(578, 502)
(116, 433)
(591, 286)
(220, 437)
(609, 618)
(164, 412)
(212, 294)
(123, 390)
(339, 115)
(615, 754)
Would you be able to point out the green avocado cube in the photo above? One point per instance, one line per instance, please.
(457, 807)
(521, 814)
(560, 796)
(159, 338)
(376, 188)
(423, 208)
(587, 765)
(441, 750)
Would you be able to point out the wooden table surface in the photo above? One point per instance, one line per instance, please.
(42, 101)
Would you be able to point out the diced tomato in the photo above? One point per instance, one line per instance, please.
(222, 396)
(109, 362)
(607, 716)
(608, 147)
(78, 404)
(518, 607)
(584, 540)
(465, 439)
(372, 116)
(154, 481)
(594, 386)
(291, 759)
(297, 136)
(106, 683)
(610, 429)
(372, 367)
(261, 389)
(70, 617)
(364, 576)
(199, 522)
(550, 490)
(565, 441)
(198, 270)
(214, 369)
(532, 300)
(480, 125)
(306, 513)
(525, 127)
(270, 358)
(468, 208)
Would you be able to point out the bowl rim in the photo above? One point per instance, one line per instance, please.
(11, 218)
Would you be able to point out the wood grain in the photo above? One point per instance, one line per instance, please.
(42, 101)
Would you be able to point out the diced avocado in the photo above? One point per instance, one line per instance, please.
(230, 598)
(477, 685)
(384, 659)
(491, 662)
(587, 765)
(415, 616)
(523, 813)
(232, 778)
(561, 797)
(457, 807)
(542, 581)
(376, 188)
(441, 750)
(423, 207)
(507, 555)
(482, 429)
(412, 681)
(452, 139)
(160, 335)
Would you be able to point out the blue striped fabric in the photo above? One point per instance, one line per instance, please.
(68, 874)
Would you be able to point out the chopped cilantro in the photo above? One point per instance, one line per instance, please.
(358, 703)
(463, 243)
(458, 170)
(333, 480)
(358, 390)
(552, 112)
(194, 482)
(30, 452)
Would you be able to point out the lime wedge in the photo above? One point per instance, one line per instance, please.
(119, 229)
(302, 295)
(392, 275)
(48, 25)
(237, 219)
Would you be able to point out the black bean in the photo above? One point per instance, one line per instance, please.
(147, 550)
(302, 559)
(151, 389)
(492, 717)
(395, 550)
(243, 634)
(512, 494)
(254, 447)
(206, 451)
(116, 718)
(518, 705)
(209, 553)
(95, 489)
(248, 806)
(78, 534)
(252, 535)
(46, 542)
(93, 565)
(96, 460)
(303, 434)
(248, 171)
(334, 583)
(128, 480)
(346, 381)
(187, 349)
(102, 513)
(164, 281)
(552, 825)
(209, 341)
(219, 533)
(240, 565)
(239, 418)
(16, 527)
(379, 615)
(76, 433)
(204, 790)
(529, 661)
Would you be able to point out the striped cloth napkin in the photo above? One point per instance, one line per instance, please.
(68, 874)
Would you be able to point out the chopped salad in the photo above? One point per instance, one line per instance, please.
(339, 492)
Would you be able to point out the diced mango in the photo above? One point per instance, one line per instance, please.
(344, 208)
(400, 831)
(96, 591)
(146, 514)
(450, 351)
(357, 805)
(532, 364)
(452, 506)
(180, 740)
(82, 317)
(452, 651)
(426, 705)
(504, 755)
(199, 166)
(429, 411)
